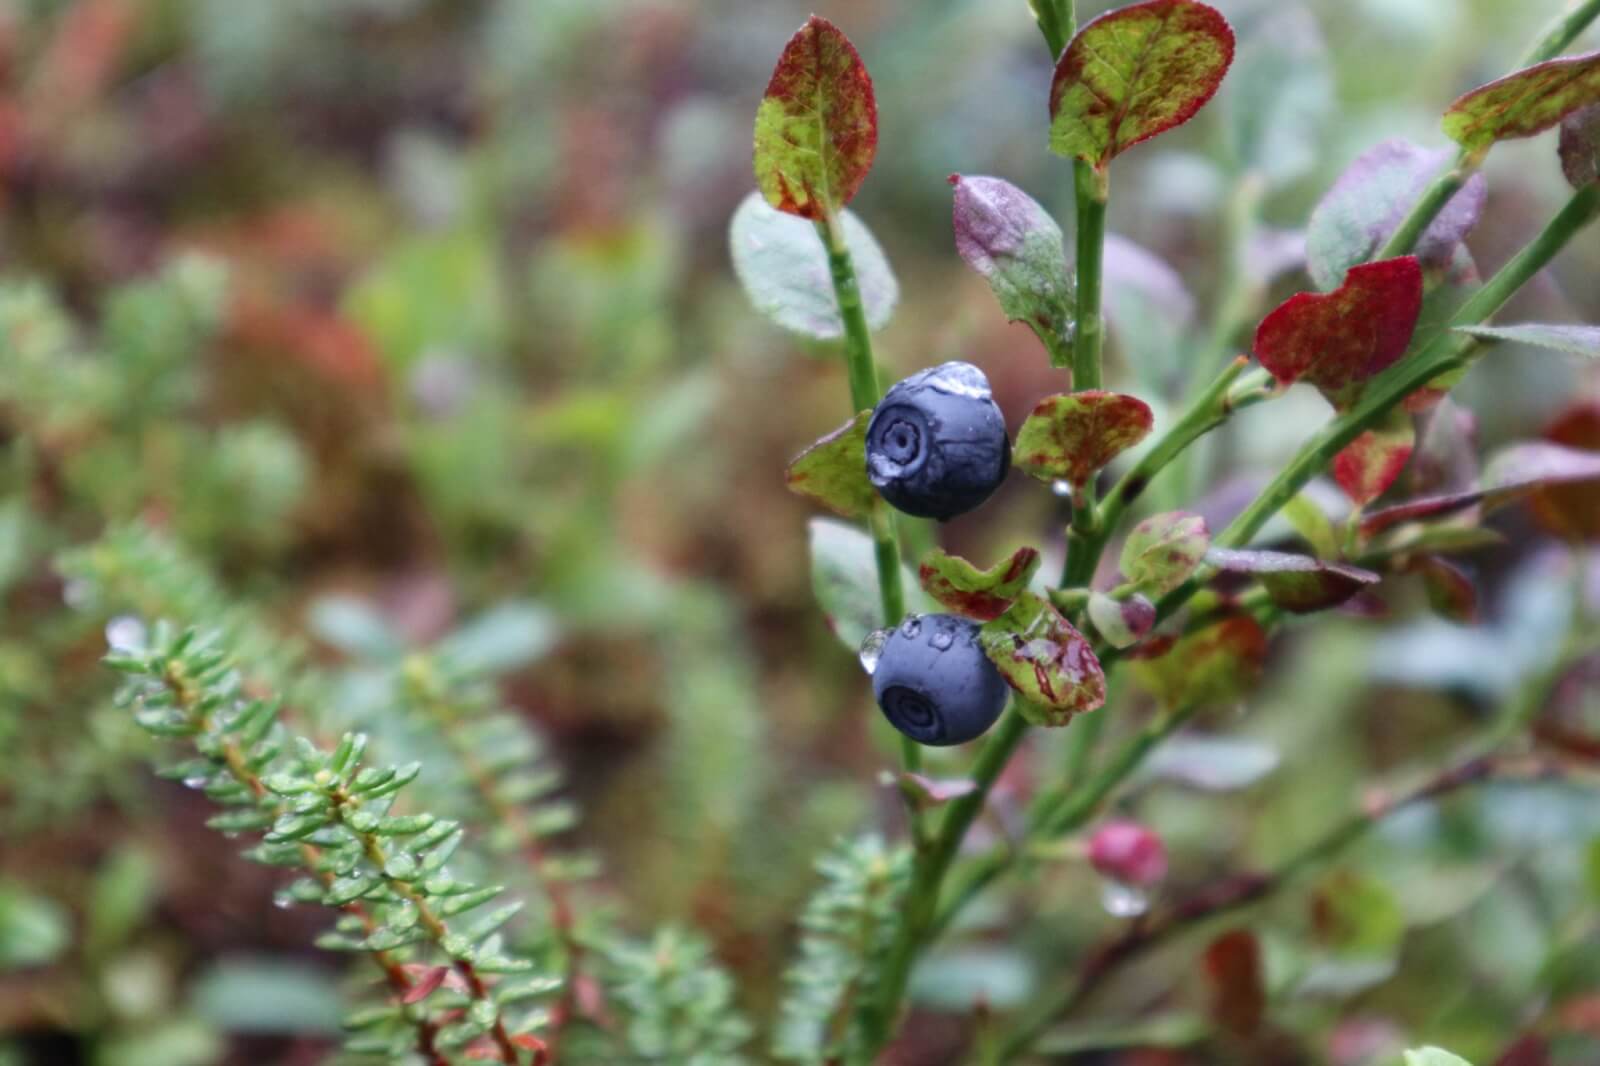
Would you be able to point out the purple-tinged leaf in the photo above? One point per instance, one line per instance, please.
(1368, 201)
(930, 792)
(1297, 583)
(1568, 506)
(1271, 253)
(1213, 763)
(1451, 593)
(1147, 307)
(1016, 246)
(1072, 435)
(1278, 97)
(833, 470)
(985, 595)
(1446, 459)
(1046, 660)
(784, 270)
(1525, 103)
(1133, 73)
(1337, 340)
(1123, 623)
(1163, 550)
(817, 126)
(1368, 465)
(1573, 339)
(1218, 664)
(1579, 146)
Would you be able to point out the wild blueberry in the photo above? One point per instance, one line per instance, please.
(934, 683)
(937, 444)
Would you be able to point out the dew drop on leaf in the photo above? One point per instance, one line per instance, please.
(872, 649)
(1122, 900)
(197, 782)
(126, 632)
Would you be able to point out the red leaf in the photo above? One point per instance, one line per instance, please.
(1072, 435)
(1239, 996)
(426, 986)
(1337, 340)
(817, 127)
(1373, 461)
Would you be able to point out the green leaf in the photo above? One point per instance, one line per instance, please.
(783, 266)
(1451, 593)
(1071, 436)
(262, 996)
(833, 470)
(844, 578)
(1163, 550)
(1297, 583)
(817, 126)
(1044, 658)
(1016, 246)
(1355, 915)
(1576, 340)
(1432, 1056)
(981, 594)
(1133, 73)
(1313, 524)
(1278, 98)
(1524, 103)
(34, 931)
(1579, 146)
(1215, 665)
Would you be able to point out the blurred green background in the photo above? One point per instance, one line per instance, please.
(415, 317)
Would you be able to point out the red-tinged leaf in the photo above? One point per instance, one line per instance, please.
(1296, 583)
(1016, 246)
(1136, 72)
(1373, 461)
(1238, 992)
(929, 792)
(426, 985)
(1524, 103)
(1580, 146)
(1163, 550)
(1044, 658)
(1568, 505)
(817, 127)
(1337, 340)
(833, 470)
(981, 594)
(1451, 592)
(1530, 1049)
(1367, 202)
(1356, 917)
(1575, 340)
(1072, 435)
(1218, 664)
(529, 1042)
(1123, 623)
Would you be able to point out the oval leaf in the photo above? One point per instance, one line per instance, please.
(1163, 550)
(1450, 590)
(1133, 73)
(1297, 583)
(1575, 340)
(1218, 664)
(783, 267)
(1337, 340)
(1368, 465)
(1071, 436)
(844, 578)
(1005, 235)
(985, 595)
(1524, 103)
(817, 126)
(1044, 658)
(1579, 146)
(833, 470)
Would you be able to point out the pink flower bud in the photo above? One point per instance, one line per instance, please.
(1128, 852)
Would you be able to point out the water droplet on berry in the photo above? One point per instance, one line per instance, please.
(942, 640)
(959, 379)
(1062, 488)
(911, 627)
(126, 632)
(872, 649)
(1122, 900)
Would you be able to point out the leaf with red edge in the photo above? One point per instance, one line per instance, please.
(817, 126)
(1451, 592)
(1072, 435)
(985, 595)
(1136, 72)
(1297, 583)
(426, 985)
(1016, 246)
(1524, 103)
(1572, 339)
(1579, 146)
(1337, 340)
(1568, 505)
(833, 470)
(1163, 550)
(1044, 658)
(1218, 664)
(1368, 465)
(1238, 991)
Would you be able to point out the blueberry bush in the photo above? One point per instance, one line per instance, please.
(395, 469)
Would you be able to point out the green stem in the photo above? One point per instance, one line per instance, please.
(1092, 192)
(864, 396)
(1562, 32)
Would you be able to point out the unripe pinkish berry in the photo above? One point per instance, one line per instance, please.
(1129, 852)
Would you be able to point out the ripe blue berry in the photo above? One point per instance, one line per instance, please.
(934, 683)
(937, 444)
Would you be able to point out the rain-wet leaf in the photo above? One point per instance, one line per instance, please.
(1524, 103)
(1279, 96)
(1368, 465)
(1123, 623)
(1016, 246)
(1296, 583)
(1579, 146)
(1136, 72)
(817, 126)
(783, 266)
(1215, 665)
(1370, 198)
(985, 595)
(833, 470)
(1044, 658)
(1338, 340)
(1071, 436)
(1238, 990)
(1163, 550)
(1573, 339)
(1450, 590)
